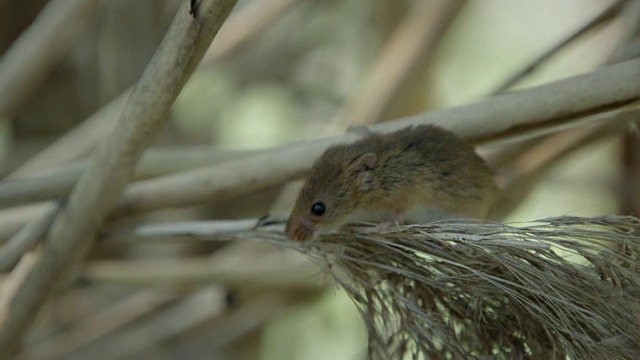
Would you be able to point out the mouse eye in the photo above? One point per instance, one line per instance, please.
(317, 208)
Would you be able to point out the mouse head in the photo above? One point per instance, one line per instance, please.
(336, 187)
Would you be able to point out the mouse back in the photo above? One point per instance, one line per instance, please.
(416, 170)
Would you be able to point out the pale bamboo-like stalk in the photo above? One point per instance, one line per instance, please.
(193, 310)
(27, 61)
(12, 220)
(78, 142)
(625, 51)
(112, 164)
(58, 182)
(12, 283)
(26, 239)
(410, 45)
(245, 24)
(192, 229)
(249, 317)
(563, 102)
(84, 137)
(290, 272)
(99, 325)
(532, 163)
(253, 173)
(607, 14)
(287, 271)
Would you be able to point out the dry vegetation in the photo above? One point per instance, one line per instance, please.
(105, 253)
(464, 290)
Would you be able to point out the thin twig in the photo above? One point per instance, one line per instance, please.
(191, 229)
(411, 44)
(531, 164)
(26, 239)
(76, 143)
(610, 12)
(27, 61)
(629, 193)
(220, 332)
(82, 139)
(113, 162)
(289, 272)
(534, 158)
(247, 22)
(624, 51)
(561, 104)
(10, 285)
(59, 181)
(558, 103)
(12, 220)
(188, 313)
(99, 325)
(200, 309)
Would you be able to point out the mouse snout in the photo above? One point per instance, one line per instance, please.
(300, 230)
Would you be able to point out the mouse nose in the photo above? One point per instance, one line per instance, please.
(299, 230)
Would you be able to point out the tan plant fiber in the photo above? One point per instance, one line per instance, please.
(548, 289)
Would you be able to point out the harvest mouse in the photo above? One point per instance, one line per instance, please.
(413, 175)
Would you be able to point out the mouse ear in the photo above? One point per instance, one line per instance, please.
(363, 163)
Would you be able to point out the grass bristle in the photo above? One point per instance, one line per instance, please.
(549, 289)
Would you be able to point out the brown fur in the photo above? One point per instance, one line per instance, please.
(416, 167)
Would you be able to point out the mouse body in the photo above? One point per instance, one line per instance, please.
(417, 174)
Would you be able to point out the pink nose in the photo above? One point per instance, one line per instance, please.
(299, 230)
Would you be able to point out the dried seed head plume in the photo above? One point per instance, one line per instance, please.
(548, 289)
